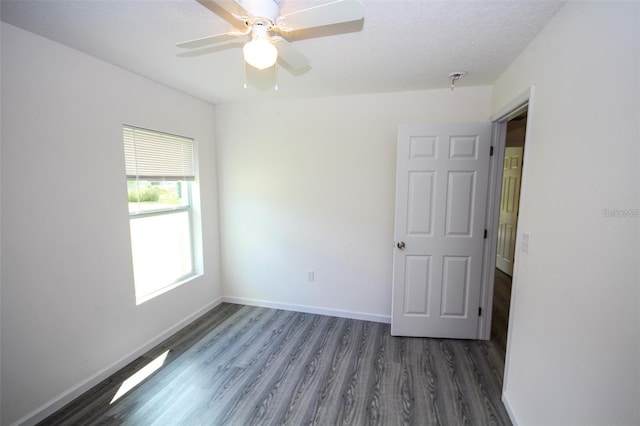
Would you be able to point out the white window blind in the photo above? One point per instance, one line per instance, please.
(157, 156)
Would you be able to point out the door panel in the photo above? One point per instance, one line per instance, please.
(455, 286)
(441, 187)
(420, 218)
(460, 202)
(417, 285)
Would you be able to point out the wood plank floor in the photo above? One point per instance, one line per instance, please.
(243, 365)
(500, 315)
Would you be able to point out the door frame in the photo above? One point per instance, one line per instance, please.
(498, 140)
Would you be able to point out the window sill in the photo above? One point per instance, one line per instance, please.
(147, 297)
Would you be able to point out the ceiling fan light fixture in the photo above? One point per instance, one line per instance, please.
(263, 17)
(260, 53)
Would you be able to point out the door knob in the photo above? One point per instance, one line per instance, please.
(400, 245)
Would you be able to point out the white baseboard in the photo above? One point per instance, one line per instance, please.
(51, 406)
(309, 309)
(505, 402)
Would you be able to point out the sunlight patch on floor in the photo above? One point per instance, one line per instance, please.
(139, 376)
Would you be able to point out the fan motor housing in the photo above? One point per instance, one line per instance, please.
(269, 9)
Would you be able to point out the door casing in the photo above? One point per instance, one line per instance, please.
(499, 135)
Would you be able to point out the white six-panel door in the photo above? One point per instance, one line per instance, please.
(441, 191)
(509, 201)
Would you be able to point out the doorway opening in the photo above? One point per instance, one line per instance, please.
(507, 228)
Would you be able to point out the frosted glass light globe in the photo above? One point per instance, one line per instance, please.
(260, 53)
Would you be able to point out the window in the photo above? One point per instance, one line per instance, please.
(160, 173)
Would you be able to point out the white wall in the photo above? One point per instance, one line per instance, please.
(575, 330)
(310, 185)
(68, 305)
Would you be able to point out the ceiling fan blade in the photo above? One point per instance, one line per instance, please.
(206, 41)
(288, 54)
(336, 12)
(232, 7)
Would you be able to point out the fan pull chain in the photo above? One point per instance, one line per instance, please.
(276, 76)
(244, 72)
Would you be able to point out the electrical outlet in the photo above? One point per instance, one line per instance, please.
(310, 276)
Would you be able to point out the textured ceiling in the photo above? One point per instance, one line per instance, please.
(400, 45)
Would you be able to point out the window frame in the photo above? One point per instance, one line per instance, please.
(190, 185)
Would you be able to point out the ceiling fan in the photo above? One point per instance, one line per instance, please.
(262, 17)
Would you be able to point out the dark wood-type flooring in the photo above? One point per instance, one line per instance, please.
(500, 314)
(243, 365)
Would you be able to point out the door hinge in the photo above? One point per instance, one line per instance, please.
(480, 311)
(485, 234)
(491, 151)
